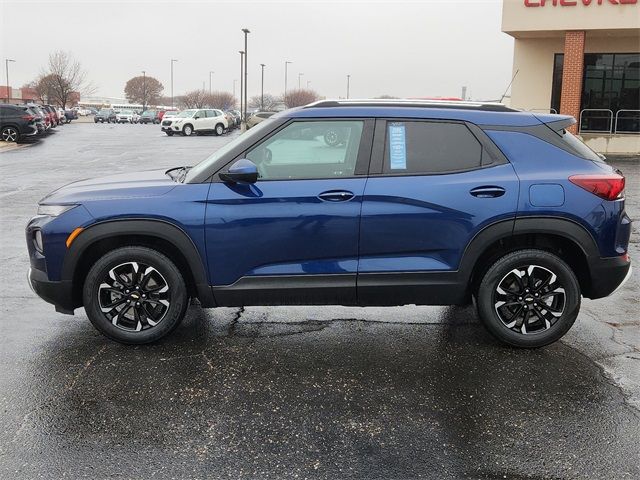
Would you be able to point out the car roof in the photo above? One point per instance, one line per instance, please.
(480, 113)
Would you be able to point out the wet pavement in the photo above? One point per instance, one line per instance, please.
(297, 392)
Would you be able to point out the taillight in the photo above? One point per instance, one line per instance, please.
(609, 187)
(28, 118)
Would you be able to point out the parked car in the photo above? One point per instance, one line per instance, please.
(136, 117)
(149, 116)
(70, 115)
(37, 115)
(168, 114)
(423, 203)
(41, 113)
(106, 115)
(16, 123)
(61, 116)
(92, 111)
(194, 120)
(53, 115)
(125, 116)
(258, 117)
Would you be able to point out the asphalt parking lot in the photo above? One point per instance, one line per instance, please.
(297, 392)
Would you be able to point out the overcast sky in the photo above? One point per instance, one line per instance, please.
(406, 49)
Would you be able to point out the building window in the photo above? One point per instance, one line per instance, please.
(610, 89)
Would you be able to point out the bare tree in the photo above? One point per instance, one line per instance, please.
(221, 100)
(297, 98)
(271, 102)
(143, 89)
(63, 81)
(193, 99)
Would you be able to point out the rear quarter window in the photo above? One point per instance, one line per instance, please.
(575, 144)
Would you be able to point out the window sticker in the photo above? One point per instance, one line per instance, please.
(397, 146)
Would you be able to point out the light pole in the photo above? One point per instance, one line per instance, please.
(262, 65)
(299, 76)
(286, 64)
(210, 73)
(6, 67)
(144, 90)
(241, 73)
(172, 60)
(348, 78)
(244, 114)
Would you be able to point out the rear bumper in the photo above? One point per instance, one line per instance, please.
(607, 275)
(57, 293)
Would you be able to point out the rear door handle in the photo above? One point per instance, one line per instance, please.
(487, 191)
(336, 196)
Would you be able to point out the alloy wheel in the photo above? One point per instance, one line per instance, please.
(9, 134)
(134, 296)
(529, 299)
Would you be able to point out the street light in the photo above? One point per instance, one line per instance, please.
(6, 67)
(348, 78)
(144, 90)
(241, 73)
(210, 73)
(172, 60)
(246, 32)
(286, 64)
(262, 65)
(299, 75)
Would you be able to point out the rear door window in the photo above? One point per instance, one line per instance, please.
(423, 147)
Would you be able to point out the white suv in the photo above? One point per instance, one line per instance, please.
(124, 116)
(196, 120)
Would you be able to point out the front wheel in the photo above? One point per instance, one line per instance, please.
(187, 131)
(529, 298)
(135, 295)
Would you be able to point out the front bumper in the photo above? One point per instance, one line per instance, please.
(57, 293)
(608, 275)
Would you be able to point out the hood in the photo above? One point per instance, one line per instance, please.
(150, 183)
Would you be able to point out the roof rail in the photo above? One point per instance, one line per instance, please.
(386, 102)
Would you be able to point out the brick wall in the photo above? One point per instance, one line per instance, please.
(572, 73)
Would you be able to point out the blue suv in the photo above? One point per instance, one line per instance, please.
(348, 203)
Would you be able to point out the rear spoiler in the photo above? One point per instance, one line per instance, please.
(556, 122)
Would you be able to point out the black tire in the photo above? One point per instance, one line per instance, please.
(169, 133)
(10, 134)
(219, 129)
(95, 120)
(102, 290)
(523, 282)
(187, 130)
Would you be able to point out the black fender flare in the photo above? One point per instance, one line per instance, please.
(558, 226)
(144, 227)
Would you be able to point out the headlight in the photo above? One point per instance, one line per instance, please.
(53, 210)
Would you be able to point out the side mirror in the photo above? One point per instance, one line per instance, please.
(243, 172)
(196, 117)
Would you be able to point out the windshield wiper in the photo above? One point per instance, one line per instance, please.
(178, 174)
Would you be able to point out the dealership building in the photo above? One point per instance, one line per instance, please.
(580, 58)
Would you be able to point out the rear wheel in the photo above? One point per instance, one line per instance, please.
(135, 295)
(219, 129)
(529, 298)
(9, 134)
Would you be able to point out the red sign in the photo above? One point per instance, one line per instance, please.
(573, 3)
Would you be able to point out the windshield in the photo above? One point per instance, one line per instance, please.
(104, 112)
(126, 112)
(204, 165)
(186, 113)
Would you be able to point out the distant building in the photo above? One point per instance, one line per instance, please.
(580, 58)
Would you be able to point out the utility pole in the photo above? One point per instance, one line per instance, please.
(210, 73)
(348, 79)
(299, 76)
(172, 60)
(6, 67)
(244, 116)
(262, 65)
(286, 64)
(241, 77)
(144, 90)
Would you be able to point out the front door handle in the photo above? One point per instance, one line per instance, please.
(336, 196)
(487, 191)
